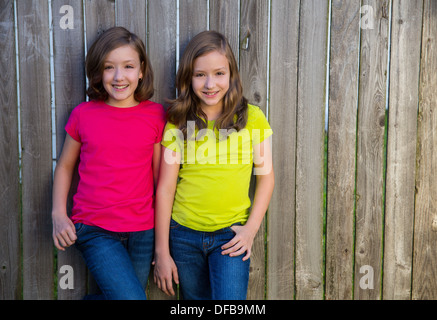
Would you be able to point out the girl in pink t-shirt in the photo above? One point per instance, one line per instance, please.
(116, 138)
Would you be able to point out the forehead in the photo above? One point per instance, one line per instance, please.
(211, 60)
(123, 53)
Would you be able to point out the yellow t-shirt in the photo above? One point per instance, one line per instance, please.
(213, 186)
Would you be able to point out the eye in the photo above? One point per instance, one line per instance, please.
(108, 67)
(198, 75)
(220, 73)
(130, 67)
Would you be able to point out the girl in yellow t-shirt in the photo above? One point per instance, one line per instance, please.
(204, 221)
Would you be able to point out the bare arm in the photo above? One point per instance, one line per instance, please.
(156, 160)
(165, 268)
(64, 233)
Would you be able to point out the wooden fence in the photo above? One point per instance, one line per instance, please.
(349, 88)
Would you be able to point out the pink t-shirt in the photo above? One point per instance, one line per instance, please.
(116, 190)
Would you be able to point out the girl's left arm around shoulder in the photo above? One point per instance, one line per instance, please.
(243, 240)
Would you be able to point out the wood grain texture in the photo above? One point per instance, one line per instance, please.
(69, 73)
(10, 245)
(425, 219)
(310, 149)
(370, 150)
(343, 101)
(283, 92)
(36, 142)
(401, 148)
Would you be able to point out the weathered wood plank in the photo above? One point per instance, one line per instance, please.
(224, 18)
(401, 148)
(310, 149)
(283, 92)
(343, 101)
(132, 15)
(370, 152)
(253, 71)
(69, 73)
(36, 142)
(192, 20)
(162, 48)
(425, 220)
(10, 215)
(162, 54)
(100, 16)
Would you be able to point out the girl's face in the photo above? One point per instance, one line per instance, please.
(122, 70)
(210, 82)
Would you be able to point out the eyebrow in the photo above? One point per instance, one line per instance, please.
(221, 68)
(125, 61)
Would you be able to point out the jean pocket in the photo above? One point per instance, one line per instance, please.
(174, 224)
(80, 227)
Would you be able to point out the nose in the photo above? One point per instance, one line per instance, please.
(209, 83)
(118, 74)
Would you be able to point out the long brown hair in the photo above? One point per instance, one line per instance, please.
(112, 39)
(186, 107)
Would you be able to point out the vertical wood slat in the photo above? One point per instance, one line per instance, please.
(192, 20)
(283, 92)
(425, 220)
(343, 100)
(224, 17)
(253, 72)
(370, 151)
(33, 41)
(162, 48)
(401, 148)
(100, 16)
(162, 54)
(69, 75)
(132, 15)
(10, 246)
(310, 149)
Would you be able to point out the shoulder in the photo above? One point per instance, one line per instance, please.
(254, 113)
(154, 108)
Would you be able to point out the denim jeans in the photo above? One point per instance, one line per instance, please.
(204, 273)
(119, 262)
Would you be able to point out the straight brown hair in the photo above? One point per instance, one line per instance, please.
(186, 107)
(112, 39)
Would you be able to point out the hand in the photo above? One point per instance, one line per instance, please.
(64, 232)
(241, 243)
(164, 273)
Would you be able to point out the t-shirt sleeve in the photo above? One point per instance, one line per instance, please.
(160, 124)
(72, 126)
(261, 129)
(172, 138)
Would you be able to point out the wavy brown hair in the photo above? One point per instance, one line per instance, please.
(186, 107)
(112, 39)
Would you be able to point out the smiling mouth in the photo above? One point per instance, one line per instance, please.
(210, 93)
(119, 87)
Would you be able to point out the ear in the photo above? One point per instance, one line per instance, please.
(141, 76)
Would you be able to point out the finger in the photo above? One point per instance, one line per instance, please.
(237, 246)
(175, 275)
(170, 287)
(247, 256)
(57, 245)
(71, 236)
(238, 252)
(231, 243)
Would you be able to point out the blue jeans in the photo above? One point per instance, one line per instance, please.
(204, 273)
(119, 261)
